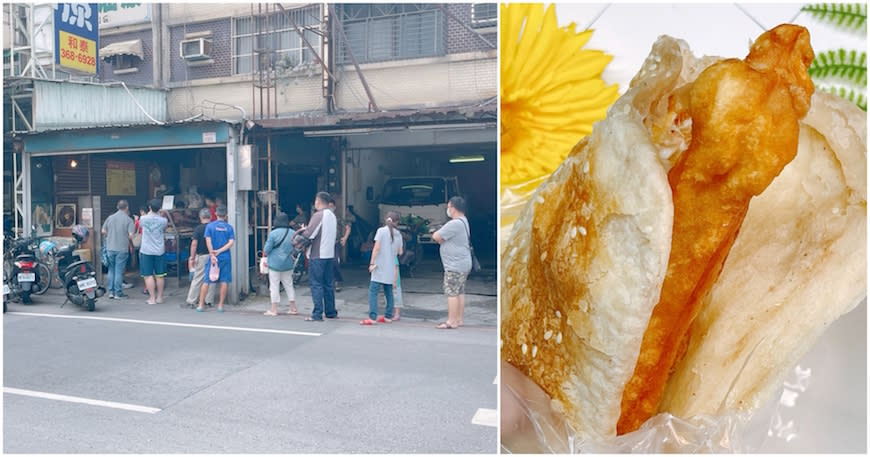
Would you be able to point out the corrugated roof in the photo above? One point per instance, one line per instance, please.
(486, 110)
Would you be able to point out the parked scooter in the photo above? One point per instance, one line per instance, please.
(79, 276)
(6, 292)
(23, 278)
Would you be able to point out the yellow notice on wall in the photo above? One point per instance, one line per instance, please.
(120, 178)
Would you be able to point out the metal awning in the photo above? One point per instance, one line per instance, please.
(130, 48)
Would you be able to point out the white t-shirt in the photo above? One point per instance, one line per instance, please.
(385, 261)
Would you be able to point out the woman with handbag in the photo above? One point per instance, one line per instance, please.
(455, 240)
(280, 264)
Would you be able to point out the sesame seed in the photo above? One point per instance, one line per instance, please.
(525, 348)
(836, 210)
(582, 230)
(539, 199)
(548, 334)
(513, 252)
(509, 279)
(543, 256)
(573, 232)
(534, 351)
(558, 314)
(586, 164)
(559, 338)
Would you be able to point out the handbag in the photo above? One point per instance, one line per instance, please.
(137, 240)
(214, 273)
(264, 259)
(475, 263)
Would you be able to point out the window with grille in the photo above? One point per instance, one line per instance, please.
(281, 47)
(484, 14)
(382, 32)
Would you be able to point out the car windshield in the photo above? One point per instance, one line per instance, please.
(414, 191)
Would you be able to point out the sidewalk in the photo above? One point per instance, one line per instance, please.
(423, 294)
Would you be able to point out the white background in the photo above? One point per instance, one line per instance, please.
(831, 415)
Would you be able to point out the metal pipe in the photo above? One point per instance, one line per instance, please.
(362, 78)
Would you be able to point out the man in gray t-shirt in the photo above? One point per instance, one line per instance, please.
(152, 264)
(456, 258)
(118, 229)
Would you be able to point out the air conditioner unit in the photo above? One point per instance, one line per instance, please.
(195, 49)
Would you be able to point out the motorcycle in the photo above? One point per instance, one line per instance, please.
(24, 278)
(6, 292)
(79, 277)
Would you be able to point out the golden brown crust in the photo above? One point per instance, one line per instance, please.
(745, 130)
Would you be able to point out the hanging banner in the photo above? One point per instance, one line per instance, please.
(76, 39)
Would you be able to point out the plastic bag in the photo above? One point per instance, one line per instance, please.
(214, 272)
(264, 265)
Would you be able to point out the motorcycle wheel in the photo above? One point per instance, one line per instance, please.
(44, 276)
(25, 297)
(91, 304)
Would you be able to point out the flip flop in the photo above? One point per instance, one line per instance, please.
(292, 312)
(270, 313)
(150, 303)
(445, 326)
(384, 320)
(200, 310)
(311, 319)
(366, 322)
(220, 310)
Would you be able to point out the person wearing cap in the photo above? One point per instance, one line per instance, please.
(277, 250)
(219, 238)
(198, 259)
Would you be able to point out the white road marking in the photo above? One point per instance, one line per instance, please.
(87, 401)
(484, 416)
(172, 324)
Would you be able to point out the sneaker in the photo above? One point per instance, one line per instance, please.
(120, 296)
(111, 296)
(126, 285)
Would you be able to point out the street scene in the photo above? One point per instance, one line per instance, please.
(250, 228)
(242, 382)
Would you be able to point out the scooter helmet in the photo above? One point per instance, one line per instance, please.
(80, 233)
(46, 246)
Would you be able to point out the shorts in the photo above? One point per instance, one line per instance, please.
(152, 265)
(226, 267)
(454, 283)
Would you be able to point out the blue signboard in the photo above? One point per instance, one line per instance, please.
(77, 36)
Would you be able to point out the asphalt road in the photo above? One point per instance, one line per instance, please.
(198, 387)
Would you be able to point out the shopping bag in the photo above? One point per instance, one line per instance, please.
(214, 272)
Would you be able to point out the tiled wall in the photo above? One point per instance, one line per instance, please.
(459, 38)
(145, 75)
(221, 51)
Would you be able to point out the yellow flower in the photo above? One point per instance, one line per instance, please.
(551, 91)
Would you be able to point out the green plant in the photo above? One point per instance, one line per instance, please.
(843, 15)
(849, 67)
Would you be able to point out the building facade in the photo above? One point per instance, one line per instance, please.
(261, 105)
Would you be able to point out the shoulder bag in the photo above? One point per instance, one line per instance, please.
(475, 263)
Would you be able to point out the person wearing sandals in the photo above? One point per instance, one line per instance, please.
(388, 246)
(456, 257)
(197, 260)
(277, 250)
(219, 238)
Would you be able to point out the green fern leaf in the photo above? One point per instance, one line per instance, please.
(848, 94)
(844, 15)
(846, 65)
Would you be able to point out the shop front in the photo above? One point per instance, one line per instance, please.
(77, 176)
